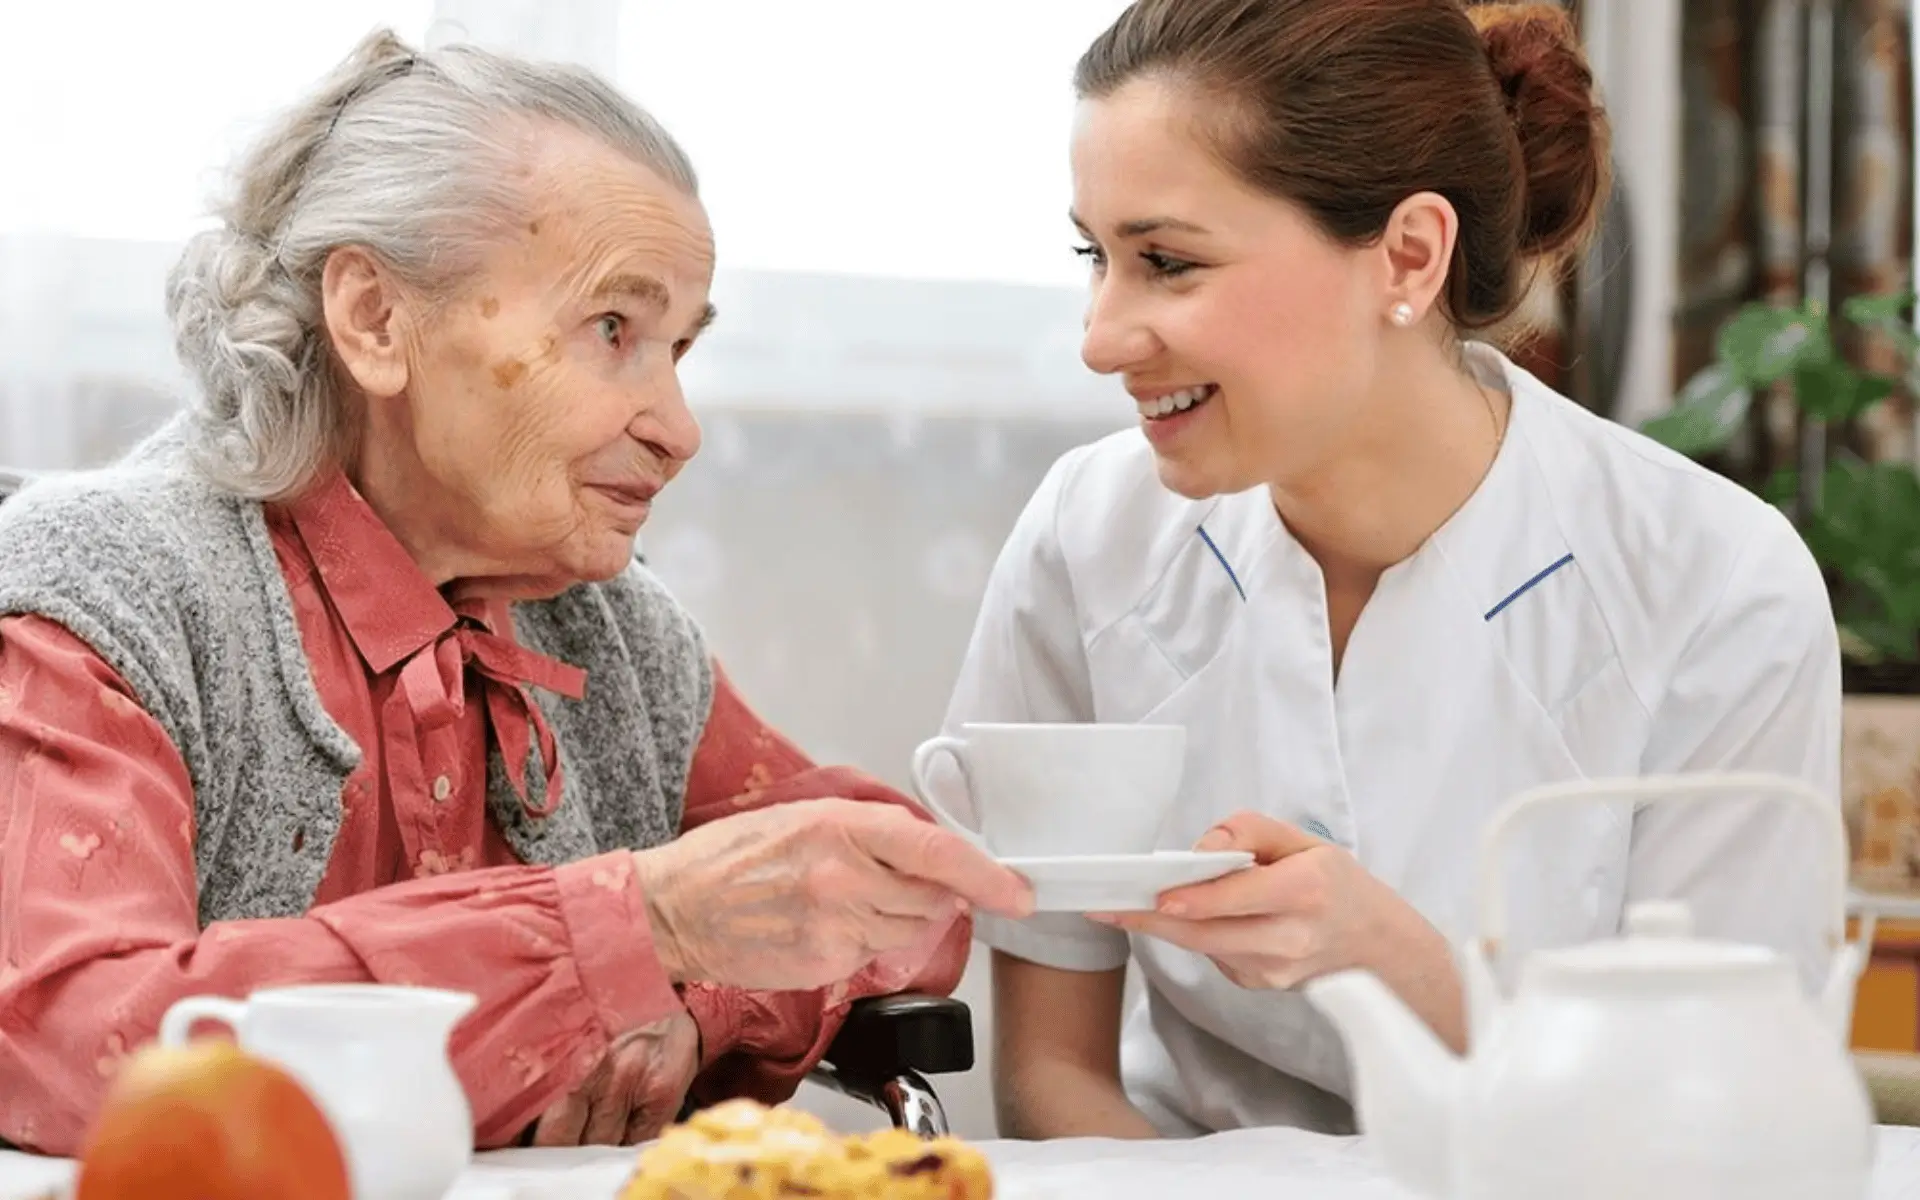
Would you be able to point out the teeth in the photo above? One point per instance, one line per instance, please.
(1174, 402)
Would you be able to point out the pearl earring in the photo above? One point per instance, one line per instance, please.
(1401, 314)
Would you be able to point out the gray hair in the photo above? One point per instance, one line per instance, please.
(408, 154)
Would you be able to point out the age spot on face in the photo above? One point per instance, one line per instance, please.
(508, 372)
(489, 307)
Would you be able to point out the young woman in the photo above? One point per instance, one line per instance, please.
(1384, 577)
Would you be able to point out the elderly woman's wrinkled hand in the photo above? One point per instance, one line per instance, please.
(804, 895)
(633, 1094)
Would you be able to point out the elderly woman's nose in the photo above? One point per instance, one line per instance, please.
(669, 425)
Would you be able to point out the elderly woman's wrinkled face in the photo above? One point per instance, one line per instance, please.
(542, 408)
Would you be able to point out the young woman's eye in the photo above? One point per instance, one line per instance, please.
(612, 328)
(1165, 265)
(1095, 256)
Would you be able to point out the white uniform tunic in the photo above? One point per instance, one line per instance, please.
(1600, 607)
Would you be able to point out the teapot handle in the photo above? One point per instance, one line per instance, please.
(1642, 792)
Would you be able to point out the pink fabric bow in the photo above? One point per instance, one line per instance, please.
(434, 684)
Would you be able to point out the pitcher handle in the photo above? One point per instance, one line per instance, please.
(178, 1024)
(1642, 792)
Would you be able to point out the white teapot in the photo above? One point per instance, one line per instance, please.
(1657, 1066)
(374, 1059)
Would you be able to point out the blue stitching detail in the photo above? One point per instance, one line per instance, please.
(1202, 530)
(1526, 587)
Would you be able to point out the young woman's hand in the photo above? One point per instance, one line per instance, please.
(1306, 908)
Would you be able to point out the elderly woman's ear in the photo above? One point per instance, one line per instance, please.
(369, 320)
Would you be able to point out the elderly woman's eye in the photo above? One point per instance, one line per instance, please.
(610, 327)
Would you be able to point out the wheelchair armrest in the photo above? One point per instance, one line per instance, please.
(886, 1036)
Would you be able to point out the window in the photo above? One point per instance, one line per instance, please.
(120, 114)
(888, 184)
(873, 137)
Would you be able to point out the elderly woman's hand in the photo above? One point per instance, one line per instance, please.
(804, 895)
(633, 1094)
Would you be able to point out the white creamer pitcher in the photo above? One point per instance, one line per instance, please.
(374, 1058)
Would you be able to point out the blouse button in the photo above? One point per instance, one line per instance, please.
(442, 787)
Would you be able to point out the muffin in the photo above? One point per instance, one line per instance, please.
(741, 1150)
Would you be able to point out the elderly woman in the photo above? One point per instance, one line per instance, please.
(265, 688)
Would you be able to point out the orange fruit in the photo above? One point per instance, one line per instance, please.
(208, 1121)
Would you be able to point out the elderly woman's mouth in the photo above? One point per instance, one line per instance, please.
(636, 498)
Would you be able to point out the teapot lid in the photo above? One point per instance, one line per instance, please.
(1659, 940)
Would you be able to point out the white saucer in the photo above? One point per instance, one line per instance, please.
(1119, 882)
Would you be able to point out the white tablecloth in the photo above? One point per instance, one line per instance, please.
(1256, 1163)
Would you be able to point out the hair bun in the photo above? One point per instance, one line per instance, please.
(1565, 149)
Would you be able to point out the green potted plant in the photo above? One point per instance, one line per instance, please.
(1860, 519)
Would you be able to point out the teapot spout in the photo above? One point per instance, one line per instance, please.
(1481, 991)
(1843, 981)
(1407, 1083)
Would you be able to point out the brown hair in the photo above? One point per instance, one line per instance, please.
(1347, 107)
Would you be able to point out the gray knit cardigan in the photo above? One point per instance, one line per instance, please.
(176, 586)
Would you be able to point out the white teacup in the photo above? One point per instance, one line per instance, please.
(1041, 791)
(374, 1059)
